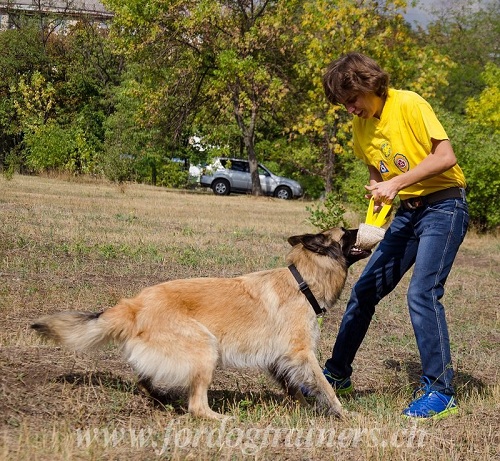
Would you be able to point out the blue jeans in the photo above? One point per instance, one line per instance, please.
(428, 238)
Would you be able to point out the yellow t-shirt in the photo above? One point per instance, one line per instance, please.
(401, 139)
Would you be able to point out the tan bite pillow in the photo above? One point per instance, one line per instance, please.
(371, 231)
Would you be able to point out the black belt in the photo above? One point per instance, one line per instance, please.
(418, 202)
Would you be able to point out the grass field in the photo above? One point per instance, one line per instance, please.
(82, 245)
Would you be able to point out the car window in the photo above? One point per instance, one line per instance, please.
(239, 166)
(263, 171)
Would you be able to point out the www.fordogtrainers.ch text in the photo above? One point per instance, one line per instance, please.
(248, 440)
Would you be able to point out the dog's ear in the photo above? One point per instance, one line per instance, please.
(295, 239)
(317, 243)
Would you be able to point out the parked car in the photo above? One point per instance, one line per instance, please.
(228, 175)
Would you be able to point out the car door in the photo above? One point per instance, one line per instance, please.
(240, 175)
(267, 182)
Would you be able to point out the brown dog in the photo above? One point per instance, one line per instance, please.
(175, 334)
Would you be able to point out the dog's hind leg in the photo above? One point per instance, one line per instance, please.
(198, 397)
(204, 363)
(180, 358)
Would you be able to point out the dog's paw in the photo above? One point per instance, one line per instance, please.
(336, 413)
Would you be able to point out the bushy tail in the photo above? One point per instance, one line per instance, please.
(76, 330)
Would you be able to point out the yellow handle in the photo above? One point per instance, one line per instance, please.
(380, 218)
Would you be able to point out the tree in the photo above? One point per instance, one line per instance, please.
(469, 33)
(76, 67)
(251, 77)
(485, 109)
(476, 146)
(48, 144)
(43, 17)
(162, 88)
(330, 29)
(22, 54)
(229, 56)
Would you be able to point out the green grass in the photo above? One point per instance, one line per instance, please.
(85, 244)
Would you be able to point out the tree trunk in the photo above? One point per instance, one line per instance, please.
(248, 135)
(330, 159)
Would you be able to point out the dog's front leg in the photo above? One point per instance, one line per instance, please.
(312, 377)
(282, 372)
(326, 398)
(300, 398)
(303, 369)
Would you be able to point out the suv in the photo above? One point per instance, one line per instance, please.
(228, 175)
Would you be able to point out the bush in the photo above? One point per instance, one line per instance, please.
(173, 175)
(329, 213)
(52, 147)
(350, 182)
(118, 167)
(476, 148)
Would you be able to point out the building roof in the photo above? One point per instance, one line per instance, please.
(66, 7)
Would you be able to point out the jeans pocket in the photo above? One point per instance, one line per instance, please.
(456, 213)
(463, 209)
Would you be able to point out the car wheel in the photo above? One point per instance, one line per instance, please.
(283, 192)
(220, 187)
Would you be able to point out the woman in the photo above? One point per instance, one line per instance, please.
(407, 152)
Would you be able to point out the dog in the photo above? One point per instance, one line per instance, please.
(176, 333)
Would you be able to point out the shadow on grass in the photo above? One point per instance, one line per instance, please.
(467, 384)
(464, 383)
(222, 401)
(102, 379)
(171, 400)
(219, 400)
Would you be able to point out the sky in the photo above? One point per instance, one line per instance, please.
(419, 15)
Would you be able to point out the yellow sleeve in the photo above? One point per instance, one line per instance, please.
(424, 123)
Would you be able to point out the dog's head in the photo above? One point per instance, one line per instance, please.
(338, 243)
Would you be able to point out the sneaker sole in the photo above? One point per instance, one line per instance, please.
(338, 390)
(344, 390)
(441, 415)
(445, 413)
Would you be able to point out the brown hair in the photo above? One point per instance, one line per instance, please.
(353, 74)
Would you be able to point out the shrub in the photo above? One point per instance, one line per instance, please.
(52, 147)
(173, 175)
(350, 182)
(477, 149)
(329, 213)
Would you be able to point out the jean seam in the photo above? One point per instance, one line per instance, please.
(435, 302)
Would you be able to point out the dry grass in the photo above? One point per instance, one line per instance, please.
(83, 245)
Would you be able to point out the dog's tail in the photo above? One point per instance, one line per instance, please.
(79, 331)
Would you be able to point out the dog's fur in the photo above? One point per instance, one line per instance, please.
(175, 334)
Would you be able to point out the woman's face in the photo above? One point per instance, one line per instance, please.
(365, 105)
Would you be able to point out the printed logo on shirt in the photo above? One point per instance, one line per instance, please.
(382, 167)
(386, 149)
(401, 162)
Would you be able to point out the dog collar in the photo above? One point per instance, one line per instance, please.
(304, 288)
